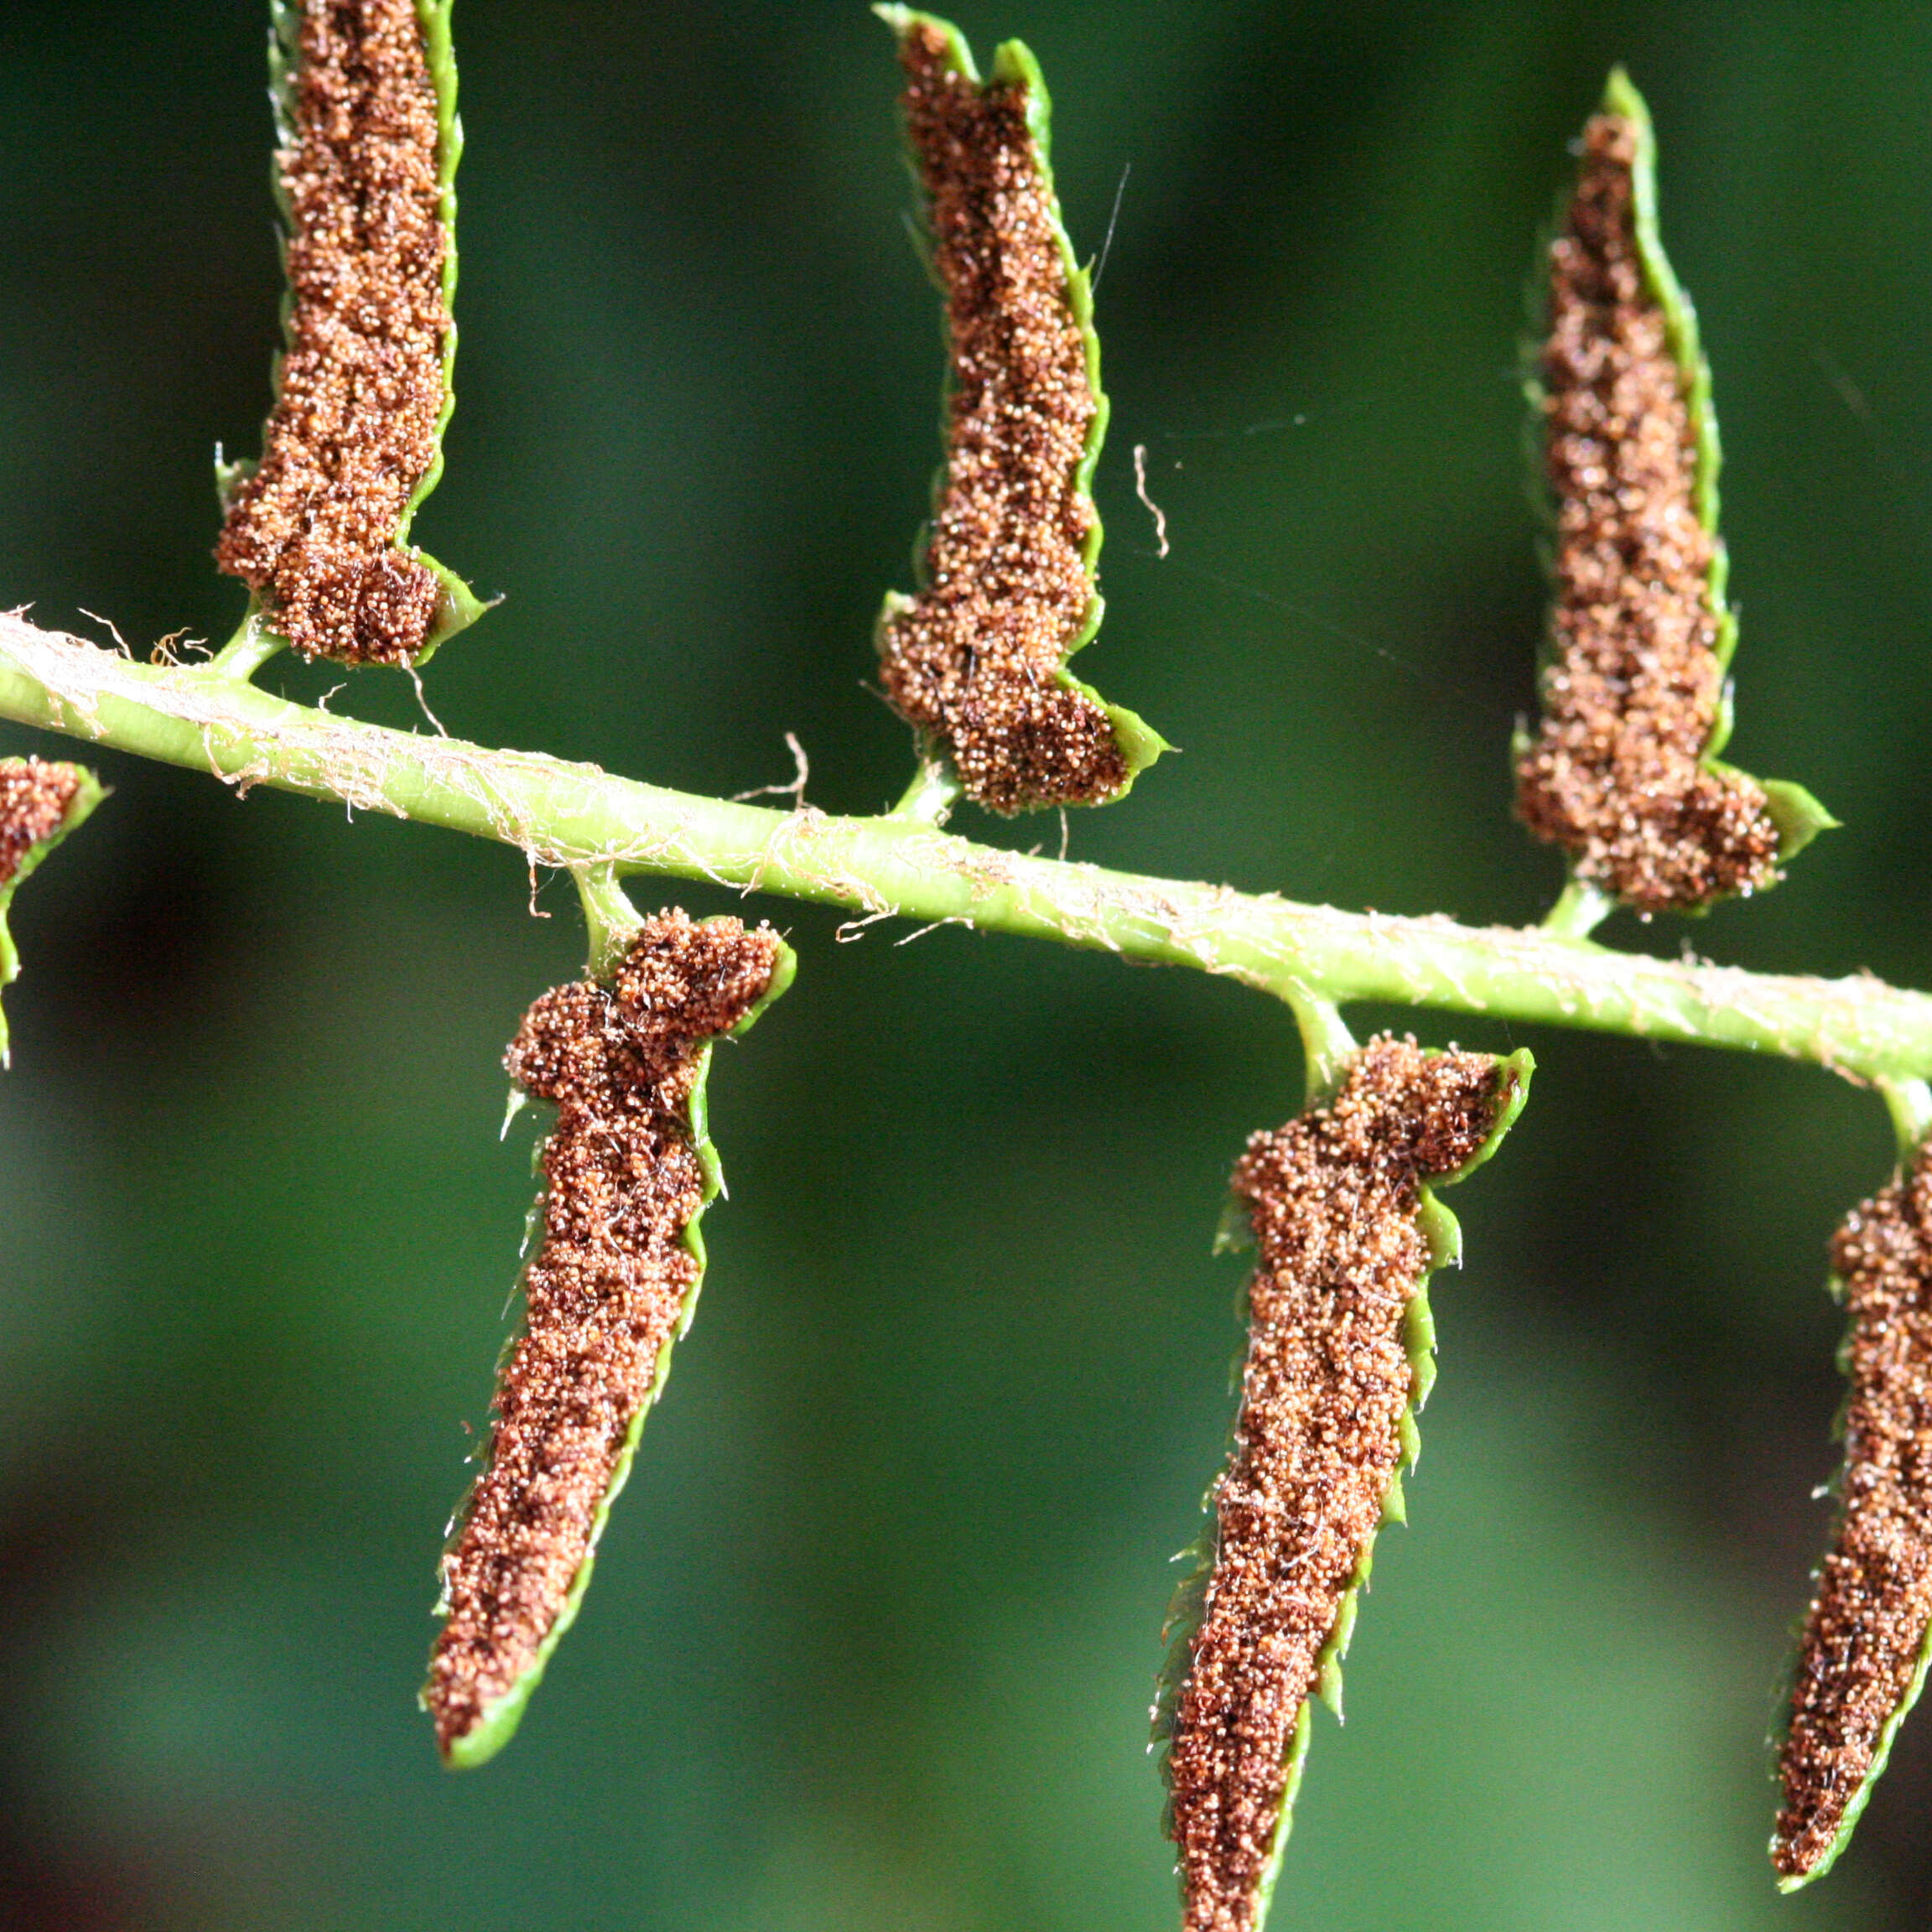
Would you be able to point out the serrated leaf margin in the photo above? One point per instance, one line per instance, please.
(1881, 1752)
(1443, 1234)
(1798, 815)
(498, 1724)
(458, 606)
(1015, 64)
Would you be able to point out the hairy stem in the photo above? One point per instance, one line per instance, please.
(579, 817)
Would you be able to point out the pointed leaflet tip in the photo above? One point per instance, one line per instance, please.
(1621, 97)
(1800, 818)
(906, 21)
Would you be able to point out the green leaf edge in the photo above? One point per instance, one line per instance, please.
(1798, 815)
(1014, 65)
(89, 794)
(500, 1720)
(1443, 1232)
(458, 606)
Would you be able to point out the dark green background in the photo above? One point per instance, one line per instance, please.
(875, 1631)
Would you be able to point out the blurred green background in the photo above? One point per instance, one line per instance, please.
(874, 1636)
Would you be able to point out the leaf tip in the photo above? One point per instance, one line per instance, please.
(1799, 816)
(1621, 97)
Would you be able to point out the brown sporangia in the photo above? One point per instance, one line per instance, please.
(312, 530)
(975, 659)
(1867, 1626)
(1335, 1198)
(606, 1292)
(33, 799)
(1632, 697)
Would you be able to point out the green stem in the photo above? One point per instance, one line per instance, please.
(248, 650)
(934, 791)
(1326, 1043)
(610, 917)
(1910, 1102)
(1582, 907)
(576, 815)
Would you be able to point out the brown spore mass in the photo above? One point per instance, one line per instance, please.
(1632, 698)
(1868, 1622)
(1335, 1197)
(33, 799)
(605, 1294)
(976, 658)
(312, 530)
